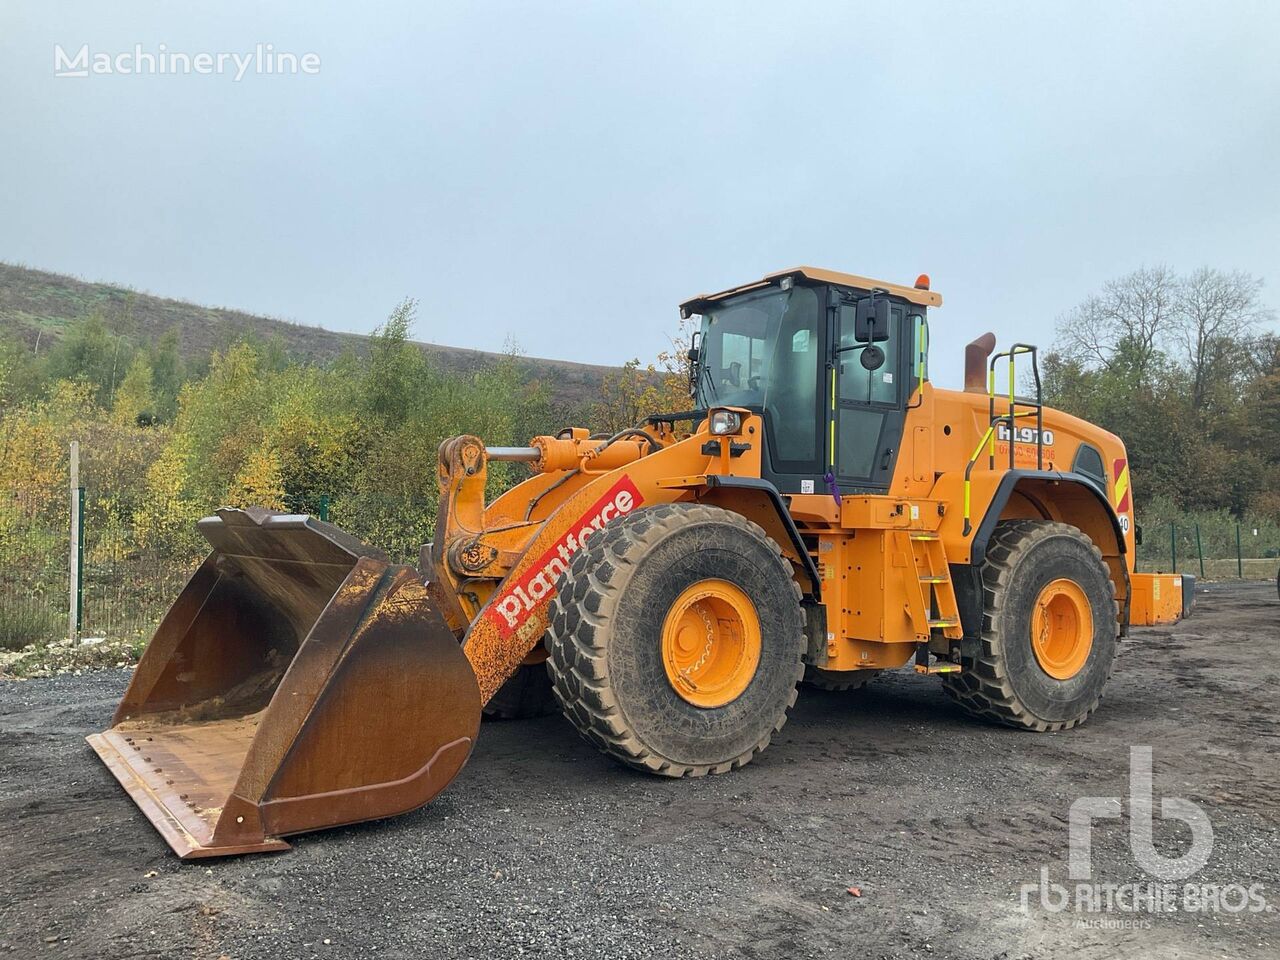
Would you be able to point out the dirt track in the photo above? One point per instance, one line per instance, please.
(542, 846)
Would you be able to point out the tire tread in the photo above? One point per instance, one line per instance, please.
(585, 600)
(983, 688)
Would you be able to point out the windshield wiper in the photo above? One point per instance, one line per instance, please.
(711, 381)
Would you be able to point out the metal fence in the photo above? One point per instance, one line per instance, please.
(123, 589)
(34, 598)
(1213, 548)
(126, 588)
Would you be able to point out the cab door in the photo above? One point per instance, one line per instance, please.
(867, 405)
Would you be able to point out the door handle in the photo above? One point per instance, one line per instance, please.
(884, 460)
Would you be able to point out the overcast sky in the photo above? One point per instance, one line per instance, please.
(564, 174)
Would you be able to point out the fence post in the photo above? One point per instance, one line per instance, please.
(324, 507)
(80, 562)
(76, 558)
(1239, 554)
(1173, 546)
(1200, 549)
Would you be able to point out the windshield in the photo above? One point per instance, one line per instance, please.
(761, 349)
(739, 340)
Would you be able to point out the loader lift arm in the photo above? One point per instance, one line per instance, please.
(500, 573)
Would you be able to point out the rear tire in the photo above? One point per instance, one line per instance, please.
(525, 696)
(838, 681)
(1012, 681)
(610, 633)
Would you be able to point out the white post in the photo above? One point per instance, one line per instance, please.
(72, 631)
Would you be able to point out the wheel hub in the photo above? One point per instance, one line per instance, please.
(711, 643)
(1062, 629)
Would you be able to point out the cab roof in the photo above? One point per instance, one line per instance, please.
(925, 298)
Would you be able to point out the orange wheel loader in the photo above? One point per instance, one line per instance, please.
(822, 513)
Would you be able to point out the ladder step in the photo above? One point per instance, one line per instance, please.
(939, 666)
(943, 623)
(924, 536)
(932, 579)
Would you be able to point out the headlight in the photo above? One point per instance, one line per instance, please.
(725, 422)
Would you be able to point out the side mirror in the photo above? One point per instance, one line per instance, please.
(871, 320)
(872, 358)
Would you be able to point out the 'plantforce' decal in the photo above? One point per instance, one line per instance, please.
(510, 608)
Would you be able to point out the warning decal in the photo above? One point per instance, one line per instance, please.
(1120, 477)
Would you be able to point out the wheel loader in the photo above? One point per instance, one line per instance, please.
(822, 512)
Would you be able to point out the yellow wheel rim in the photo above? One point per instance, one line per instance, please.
(711, 643)
(1062, 629)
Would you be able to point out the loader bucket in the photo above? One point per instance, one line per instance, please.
(300, 681)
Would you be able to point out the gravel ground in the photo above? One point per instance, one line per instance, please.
(543, 847)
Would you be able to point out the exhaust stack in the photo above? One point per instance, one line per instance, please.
(975, 363)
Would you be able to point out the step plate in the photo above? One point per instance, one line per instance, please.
(939, 668)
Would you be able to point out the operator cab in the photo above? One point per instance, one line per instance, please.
(829, 359)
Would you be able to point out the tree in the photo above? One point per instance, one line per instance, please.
(167, 374)
(90, 353)
(1177, 367)
(1125, 323)
(397, 370)
(134, 401)
(33, 448)
(1263, 402)
(1219, 314)
(629, 395)
(123, 326)
(20, 374)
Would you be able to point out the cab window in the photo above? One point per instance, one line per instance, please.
(857, 383)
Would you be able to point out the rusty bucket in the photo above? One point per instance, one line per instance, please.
(300, 681)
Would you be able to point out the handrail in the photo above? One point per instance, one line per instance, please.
(923, 352)
(1009, 419)
(968, 470)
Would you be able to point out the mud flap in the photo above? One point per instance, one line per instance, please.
(300, 681)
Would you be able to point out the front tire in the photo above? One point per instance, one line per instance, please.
(676, 640)
(1050, 624)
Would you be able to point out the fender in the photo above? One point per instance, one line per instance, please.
(967, 577)
(784, 517)
(1010, 480)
